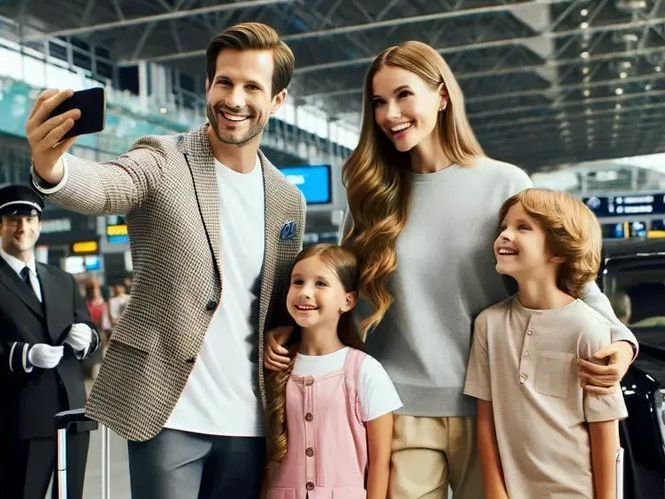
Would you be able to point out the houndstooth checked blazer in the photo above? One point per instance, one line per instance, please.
(167, 188)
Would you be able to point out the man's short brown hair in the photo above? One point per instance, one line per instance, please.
(253, 36)
(571, 230)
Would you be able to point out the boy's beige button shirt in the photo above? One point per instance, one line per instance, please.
(524, 362)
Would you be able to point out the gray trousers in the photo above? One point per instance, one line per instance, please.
(182, 465)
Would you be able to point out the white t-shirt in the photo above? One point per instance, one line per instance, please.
(221, 396)
(375, 390)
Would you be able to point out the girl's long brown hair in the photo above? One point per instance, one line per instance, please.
(343, 262)
(376, 174)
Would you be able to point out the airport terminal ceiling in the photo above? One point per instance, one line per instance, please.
(546, 82)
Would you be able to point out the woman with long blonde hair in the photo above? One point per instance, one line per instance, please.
(423, 199)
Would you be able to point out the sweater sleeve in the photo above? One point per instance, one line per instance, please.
(478, 372)
(596, 299)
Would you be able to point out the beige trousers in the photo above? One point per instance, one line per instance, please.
(430, 453)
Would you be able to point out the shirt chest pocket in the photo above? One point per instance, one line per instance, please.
(555, 373)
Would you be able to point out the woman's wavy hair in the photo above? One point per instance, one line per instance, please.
(376, 174)
(571, 230)
(343, 262)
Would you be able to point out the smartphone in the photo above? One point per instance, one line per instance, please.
(92, 104)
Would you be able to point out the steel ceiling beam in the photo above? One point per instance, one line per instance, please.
(479, 45)
(619, 99)
(515, 70)
(177, 14)
(438, 16)
(551, 129)
(507, 124)
(500, 42)
(561, 123)
(568, 86)
(342, 30)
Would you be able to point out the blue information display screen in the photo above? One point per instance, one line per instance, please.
(313, 181)
(626, 206)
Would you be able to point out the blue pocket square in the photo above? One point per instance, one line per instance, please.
(288, 231)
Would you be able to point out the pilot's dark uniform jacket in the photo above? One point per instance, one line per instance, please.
(41, 310)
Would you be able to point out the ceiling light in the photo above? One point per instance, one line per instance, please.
(618, 91)
(623, 75)
(163, 110)
(587, 112)
(587, 93)
(585, 55)
(631, 5)
(648, 87)
(585, 70)
(617, 106)
(584, 25)
(584, 12)
(629, 37)
(626, 64)
(658, 69)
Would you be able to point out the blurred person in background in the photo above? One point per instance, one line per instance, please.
(97, 307)
(45, 333)
(127, 282)
(117, 303)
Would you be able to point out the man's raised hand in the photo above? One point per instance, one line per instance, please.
(45, 134)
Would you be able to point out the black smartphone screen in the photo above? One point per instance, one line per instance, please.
(91, 102)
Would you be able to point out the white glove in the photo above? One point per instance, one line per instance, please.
(45, 356)
(79, 337)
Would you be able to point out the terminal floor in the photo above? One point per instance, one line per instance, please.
(119, 468)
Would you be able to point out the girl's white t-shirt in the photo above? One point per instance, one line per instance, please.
(376, 392)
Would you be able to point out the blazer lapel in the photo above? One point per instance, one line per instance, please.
(16, 286)
(201, 164)
(53, 300)
(273, 220)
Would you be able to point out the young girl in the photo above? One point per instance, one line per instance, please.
(330, 417)
(539, 433)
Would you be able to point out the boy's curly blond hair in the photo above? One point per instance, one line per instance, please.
(571, 230)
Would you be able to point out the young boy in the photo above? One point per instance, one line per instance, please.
(539, 433)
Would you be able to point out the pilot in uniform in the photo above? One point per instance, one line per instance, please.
(45, 333)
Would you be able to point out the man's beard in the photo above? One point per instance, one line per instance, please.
(214, 123)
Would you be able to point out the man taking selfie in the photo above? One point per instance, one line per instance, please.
(213, 229)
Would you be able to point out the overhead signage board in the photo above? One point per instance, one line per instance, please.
(642, 205)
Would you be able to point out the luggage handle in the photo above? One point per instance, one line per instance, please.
(75, 420)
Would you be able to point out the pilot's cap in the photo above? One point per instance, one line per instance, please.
(20, 200)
